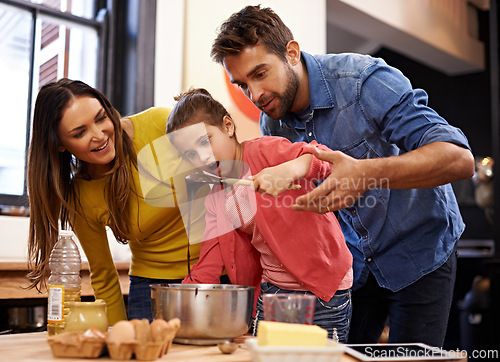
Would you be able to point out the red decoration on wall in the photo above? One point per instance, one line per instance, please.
(244, 104)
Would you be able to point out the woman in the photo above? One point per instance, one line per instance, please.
(83, 173)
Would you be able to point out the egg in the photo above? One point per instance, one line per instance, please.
(93, 332)
(142, 330)
(121, 332)
(159, 328)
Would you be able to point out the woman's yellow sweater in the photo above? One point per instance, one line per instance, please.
(159, 249)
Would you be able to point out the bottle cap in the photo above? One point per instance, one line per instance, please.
(66, 233)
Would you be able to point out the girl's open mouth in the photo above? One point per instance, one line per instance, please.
(213, 166)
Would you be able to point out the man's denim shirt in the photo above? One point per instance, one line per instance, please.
(367, 109)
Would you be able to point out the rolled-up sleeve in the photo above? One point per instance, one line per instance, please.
(401, 113)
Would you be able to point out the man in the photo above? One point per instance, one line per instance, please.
(393, 163)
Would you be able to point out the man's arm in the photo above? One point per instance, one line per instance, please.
(431, 165)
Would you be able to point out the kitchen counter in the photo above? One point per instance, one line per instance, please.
(34, 347)
(13, 280)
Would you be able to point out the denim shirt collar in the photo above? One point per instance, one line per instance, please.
(320, 96)
(319, 92)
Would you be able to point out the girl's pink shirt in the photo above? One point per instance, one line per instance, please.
(309, 245)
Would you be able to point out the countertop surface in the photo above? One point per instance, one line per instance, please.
(34, 347)
(14, 283)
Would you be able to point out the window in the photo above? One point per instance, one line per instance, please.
(108, 44)
(40, 41)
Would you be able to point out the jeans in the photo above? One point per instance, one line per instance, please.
(417, 313)
(139, 296)
(332, 315)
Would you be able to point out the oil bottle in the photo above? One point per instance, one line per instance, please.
(64, 281)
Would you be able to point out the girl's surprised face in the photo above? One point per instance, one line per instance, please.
(207, 147)
(86, 131)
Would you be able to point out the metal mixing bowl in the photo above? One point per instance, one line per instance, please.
(209, 313)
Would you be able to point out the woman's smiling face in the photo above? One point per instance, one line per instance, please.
(86, 131)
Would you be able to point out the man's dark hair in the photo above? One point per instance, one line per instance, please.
(250, 26)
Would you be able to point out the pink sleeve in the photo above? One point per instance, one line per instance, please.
(319, 169)
(276, 150)
(210, 265)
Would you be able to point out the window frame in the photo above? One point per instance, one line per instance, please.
(99, 24)
(127, 32)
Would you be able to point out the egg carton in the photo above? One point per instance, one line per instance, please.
(74, 345)
(149, 351)
(139, 338)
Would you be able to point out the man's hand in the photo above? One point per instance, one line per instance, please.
(346, 184)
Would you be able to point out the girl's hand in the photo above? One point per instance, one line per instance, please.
(272, 181)
(277, 179)
(347, 182)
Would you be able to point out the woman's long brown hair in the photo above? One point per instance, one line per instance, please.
(52, 197)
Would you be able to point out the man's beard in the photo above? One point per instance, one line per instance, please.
(285, 101)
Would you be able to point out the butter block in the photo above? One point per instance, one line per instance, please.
(290, 334)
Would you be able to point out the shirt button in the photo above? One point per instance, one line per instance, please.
(365, 236)
(310, 134)
(369, 259)
(353, 211)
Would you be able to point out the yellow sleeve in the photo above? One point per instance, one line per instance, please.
(92, 236)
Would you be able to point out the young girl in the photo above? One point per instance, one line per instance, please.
(256, 237)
